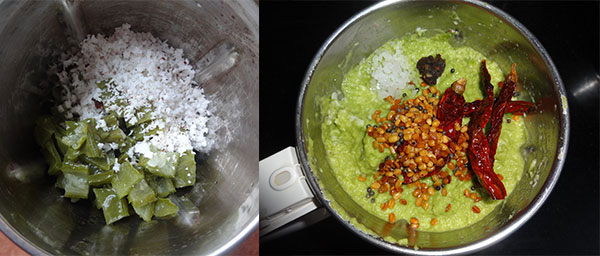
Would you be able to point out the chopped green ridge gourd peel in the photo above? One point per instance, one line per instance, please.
(72, 152)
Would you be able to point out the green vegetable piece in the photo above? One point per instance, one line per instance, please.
(161, 163)
(101, 178)
(113, 208)
(60, 181)
(72, 154)
(90, 147)
(163, 186)
(70, 167)
(101, 194)
(141, 194)
(76, 134)
(62, 147)
(122, 158)
(105, 94)
(105, 163)
(44, 129)
(112, 120)
(129, 142)
(76, 185)
(145, 212)
(102, 134)
(116, 136)
(102, 84)
(185, 173)
(152, 182)
(125, 179)
(112, 123)
(164, 208)
(138, 134)
(52, 157)
(116, 210)
(144, 115)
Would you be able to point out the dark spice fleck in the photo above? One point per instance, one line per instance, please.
(425, 111)
(369, 189)
(438, 188)
(530, 148)
(420, 107)
(404, 95)
(452, 70)
(372, 200)
(516, 94)
(98, 104)
(472, 188)
(458, 36)
(431, 68)
(508, 120)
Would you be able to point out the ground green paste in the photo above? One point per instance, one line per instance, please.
(350, 152)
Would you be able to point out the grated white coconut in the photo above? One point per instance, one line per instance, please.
(391, 71)
(144, 71)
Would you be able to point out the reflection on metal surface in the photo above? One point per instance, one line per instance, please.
(216, 62)
(588, 87)
(71, 14)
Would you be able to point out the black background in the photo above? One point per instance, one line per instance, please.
(567, 223)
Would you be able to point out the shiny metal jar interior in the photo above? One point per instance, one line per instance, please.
(220, 37)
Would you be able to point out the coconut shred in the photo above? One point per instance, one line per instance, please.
(145, 73)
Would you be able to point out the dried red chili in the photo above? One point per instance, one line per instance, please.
(516, 107)
(498, 110)
(450, 108)
(479, 150)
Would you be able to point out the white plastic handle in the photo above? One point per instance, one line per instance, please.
(284, 192)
